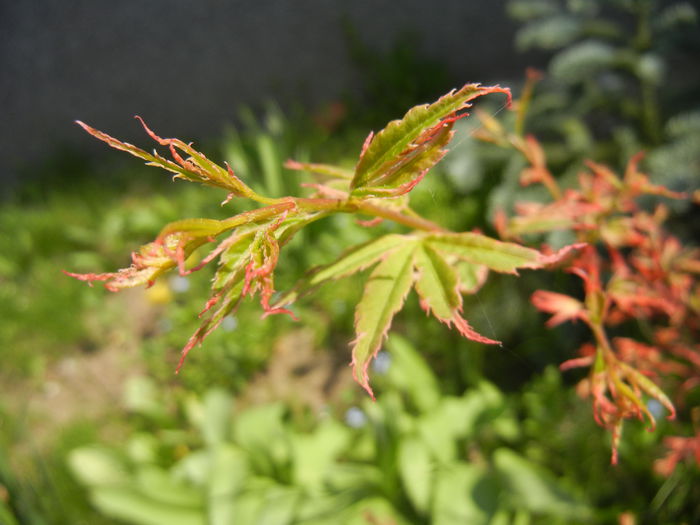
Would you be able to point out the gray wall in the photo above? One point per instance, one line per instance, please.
(186, 66)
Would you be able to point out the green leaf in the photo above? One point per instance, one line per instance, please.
(535, 489)
(315, 453)
(384, 295)
(582, 61)
(162, 487)
(497, 255)
(216, 416)
(196, 168)
(227, 477)
(125, 503)
(416, 471)
(471, 276)
(437, 287)
(233, 258)
(402, 175)
(354, 260)
(95, 466)
(464, 494)
(194, 227)
(260, 432)
(436, 284)
(400, 138)
(410, 373)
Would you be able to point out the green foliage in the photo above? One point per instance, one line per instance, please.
(614, 84)
(440, 444)
(390, 165)
(415, 455)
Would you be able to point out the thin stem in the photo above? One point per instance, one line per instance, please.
(603, 342)
(413, 220)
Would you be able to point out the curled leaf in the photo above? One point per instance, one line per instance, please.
(398, 154)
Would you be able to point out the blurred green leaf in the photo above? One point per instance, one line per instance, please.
(126, 503)
(161, 486)
(313, 454)
(416, 471)
(228, 471)
(97, 466)
(464, 494)
(216, 424)
(410, 372)
(535, 489)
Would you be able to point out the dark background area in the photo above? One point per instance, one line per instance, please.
(187, 67)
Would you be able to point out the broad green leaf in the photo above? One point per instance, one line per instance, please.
(497, 255)
(161, 486)
(95, 466)
(464, 494)
(279, 506)
(260, 432)
(416, 471)
(384, 295)
(410, 373)
(228, 474)
(315, 453)
(399, 137)
(354, 260)
(437, 288)
(534, 488)
(129, 505)
(216, 416)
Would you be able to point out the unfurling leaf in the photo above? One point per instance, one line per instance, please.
(397, 157)
(195, 168)
(172, 247)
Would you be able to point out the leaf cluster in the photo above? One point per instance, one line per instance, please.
(415, 455)
(440, 264)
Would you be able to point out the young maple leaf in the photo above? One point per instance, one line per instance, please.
(402, 262)
(563, 307)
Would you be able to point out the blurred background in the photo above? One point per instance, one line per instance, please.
(264, 424)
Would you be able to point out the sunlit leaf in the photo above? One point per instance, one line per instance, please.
(354, 260)
(437, 288)
(497, 255)
(400, 138)
(384, 295)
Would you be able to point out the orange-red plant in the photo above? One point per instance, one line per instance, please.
(632, 270)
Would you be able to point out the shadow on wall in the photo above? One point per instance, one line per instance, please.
(187, 70)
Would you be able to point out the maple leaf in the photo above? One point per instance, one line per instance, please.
(420, 261)
(394, 160)
(563, 307)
